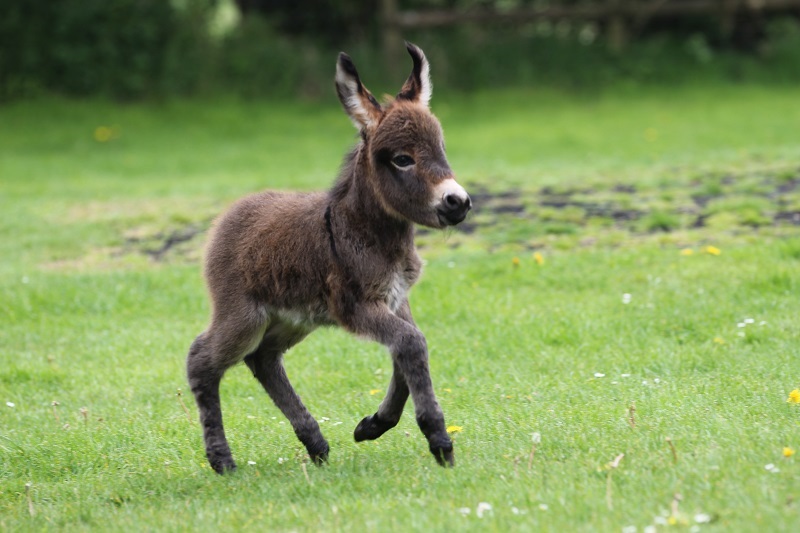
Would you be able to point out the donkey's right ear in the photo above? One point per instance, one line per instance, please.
(358, 102)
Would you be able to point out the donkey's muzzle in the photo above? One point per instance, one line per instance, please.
(454, 208)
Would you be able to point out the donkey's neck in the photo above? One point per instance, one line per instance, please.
(358, 206)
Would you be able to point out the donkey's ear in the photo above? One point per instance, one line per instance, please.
(358, 102)
(417, 87)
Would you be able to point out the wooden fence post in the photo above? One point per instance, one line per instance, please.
(617, 26)
(391, 37)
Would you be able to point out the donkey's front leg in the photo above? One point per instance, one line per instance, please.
(410, 354)
(389, 412)
(391, 408)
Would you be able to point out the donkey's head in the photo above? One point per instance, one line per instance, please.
(405, 154)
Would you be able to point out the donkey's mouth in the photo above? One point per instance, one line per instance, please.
(450, 219)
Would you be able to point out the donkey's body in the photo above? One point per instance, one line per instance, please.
(281, 264)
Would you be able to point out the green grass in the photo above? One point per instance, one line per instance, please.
(90, 320)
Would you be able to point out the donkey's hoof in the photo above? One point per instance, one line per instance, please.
(222, 465)
(318, 452)
(443, 453)
(371, 427)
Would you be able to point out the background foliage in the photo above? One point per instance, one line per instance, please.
(152, 48)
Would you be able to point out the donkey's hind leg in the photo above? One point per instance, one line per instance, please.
(389, 412)
(266, 364)
(211, 354)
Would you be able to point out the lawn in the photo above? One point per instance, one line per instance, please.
(626, 289)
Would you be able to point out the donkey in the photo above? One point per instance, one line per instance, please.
(279, 265)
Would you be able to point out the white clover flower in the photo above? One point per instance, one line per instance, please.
(626, 298)
(599, 375)
(483, 507)
(464, 510)
(536, 437)
(702, 518)
(544, 506)
(251, 463)
(11, 404)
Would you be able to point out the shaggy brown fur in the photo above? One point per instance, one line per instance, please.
(279, 265)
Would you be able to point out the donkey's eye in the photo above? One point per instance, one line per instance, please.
(402, 161)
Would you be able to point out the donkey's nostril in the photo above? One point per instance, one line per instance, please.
(452, 201)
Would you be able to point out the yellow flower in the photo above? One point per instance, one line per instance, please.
(713, 250)
(539, 258)
(373, 392)
(672, 520)
(719, 340)
(102, 134)
(454, 429)
(515, 261)
(447, 390)
(794, 396)
(788, 452)
(687, 251)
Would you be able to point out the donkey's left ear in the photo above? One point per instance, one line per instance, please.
(417, 87)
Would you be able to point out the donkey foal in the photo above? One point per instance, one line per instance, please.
(279, 265)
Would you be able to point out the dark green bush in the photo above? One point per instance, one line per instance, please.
(119, 48)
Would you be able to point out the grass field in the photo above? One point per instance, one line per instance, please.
(627, 284)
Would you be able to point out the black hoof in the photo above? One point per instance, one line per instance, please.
(372, 427)
(318, 451)
(443, 452)
(222, 465)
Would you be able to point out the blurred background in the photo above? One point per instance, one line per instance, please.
(141, 49)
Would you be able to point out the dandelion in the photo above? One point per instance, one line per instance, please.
(713, 250)
(447, 390)
(103, 134)
(454, 429)
(373, 392)
(788, 452)
(515, 262)
(626, 298)
(539, 258)
(483, 507)
(687, 251)
(794, 396)
(719, 340)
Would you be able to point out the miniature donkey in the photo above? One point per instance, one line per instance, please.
(280, 264)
